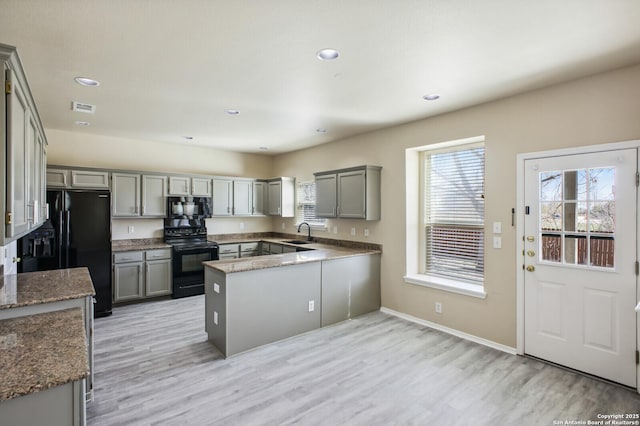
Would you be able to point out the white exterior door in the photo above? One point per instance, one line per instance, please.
(579, 259)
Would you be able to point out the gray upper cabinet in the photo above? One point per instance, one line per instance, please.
(201, 187)
(58, 178)
(185, 186)
(179, 185)
(352, 193)
(259, 197)
(25, 148)
(222, 197)
(242, 197)
(281, 197)
(77, 179)
(89, 179)
(154, 191)
(326, 195)
(125, 197)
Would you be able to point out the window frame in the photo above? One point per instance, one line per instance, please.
(415, 232)
(316, 223)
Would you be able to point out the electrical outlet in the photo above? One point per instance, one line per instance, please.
(335, 229)
(215, 317)
(353, 232)
(241, 225)
(130, 229)
(438, 308)
(282, 225)
(366, 232)
(312, 305)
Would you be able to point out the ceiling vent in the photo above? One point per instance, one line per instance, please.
(82, 107)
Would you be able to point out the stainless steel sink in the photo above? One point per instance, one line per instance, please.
(297, 242)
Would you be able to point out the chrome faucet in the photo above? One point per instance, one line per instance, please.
(308, 227)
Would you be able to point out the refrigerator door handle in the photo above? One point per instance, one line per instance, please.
(67, 236)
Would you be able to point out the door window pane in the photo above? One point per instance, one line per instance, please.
(576, 208)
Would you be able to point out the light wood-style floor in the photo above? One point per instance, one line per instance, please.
(154, 366)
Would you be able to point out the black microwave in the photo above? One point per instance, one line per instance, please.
(188, 207)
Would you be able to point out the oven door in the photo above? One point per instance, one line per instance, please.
(187, 261)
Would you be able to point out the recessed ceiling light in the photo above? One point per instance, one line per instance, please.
(189, 138)
(321, 130)
(82, 123)
(328, 54)
(431, 97)
(84, 81)
(232, 111)
(263, 148)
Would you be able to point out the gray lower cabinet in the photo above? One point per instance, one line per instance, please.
(244, 310)
(59, 405)
(249, 309)
(350, 287)
(141, 274)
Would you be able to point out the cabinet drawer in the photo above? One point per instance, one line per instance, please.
(228, 256)
(246, 247)
(228, 249)
(158, 254)
(128, 256)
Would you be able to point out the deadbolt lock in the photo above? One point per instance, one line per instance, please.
(531, 253)
(531, 238)
(531, 268)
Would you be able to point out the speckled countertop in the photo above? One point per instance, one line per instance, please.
(139, 244)
(319, 252)
(38, 352)
(34, 288)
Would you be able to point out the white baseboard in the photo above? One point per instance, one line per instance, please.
(454, 332)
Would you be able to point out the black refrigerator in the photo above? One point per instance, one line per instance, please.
(77, 233)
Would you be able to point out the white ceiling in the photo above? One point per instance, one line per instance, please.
(169, 69)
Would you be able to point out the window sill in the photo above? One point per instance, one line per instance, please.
(445, 284)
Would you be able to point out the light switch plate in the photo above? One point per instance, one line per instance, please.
(497, 242)
(497, 227)
(366, 232)
(215, 317)
(216, 287)
(353, 232)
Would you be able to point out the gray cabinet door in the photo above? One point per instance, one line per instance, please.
(82, 179)
(158, 277)
(125, 197)
(274, 197)
(222, 197)
(17, 167)
(57, 178)
(351, 194)
(179, 185)
(127, 281)
(154, 191)
(326, 195)
(201, 187)
(259, 192)
(242, 197)
(350, 287)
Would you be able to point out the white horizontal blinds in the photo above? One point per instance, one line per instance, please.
(306, 211)
(454, 213)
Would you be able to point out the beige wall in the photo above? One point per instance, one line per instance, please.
(87, 150)
(595, 110)
(599, 109)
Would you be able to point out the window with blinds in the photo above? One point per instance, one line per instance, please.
(306, 211)
(454, 213)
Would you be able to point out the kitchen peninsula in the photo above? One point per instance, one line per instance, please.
(46, 342)
(254, 301)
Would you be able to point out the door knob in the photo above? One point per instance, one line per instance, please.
(531, 268)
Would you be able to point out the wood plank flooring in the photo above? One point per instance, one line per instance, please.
(154, 366)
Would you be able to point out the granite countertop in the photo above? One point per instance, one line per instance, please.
(318, 253)
(140, 244)
(34, 288)
(38, 352)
